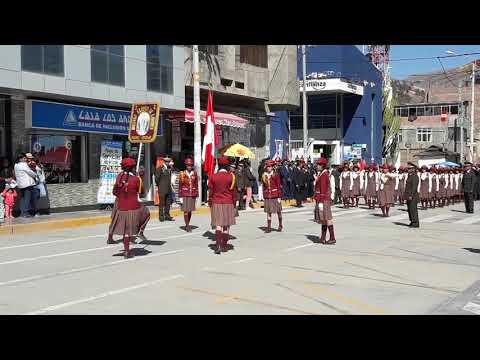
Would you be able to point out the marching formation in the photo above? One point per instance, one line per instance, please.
(382, 186)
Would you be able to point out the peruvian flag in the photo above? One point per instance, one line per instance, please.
(210, 140)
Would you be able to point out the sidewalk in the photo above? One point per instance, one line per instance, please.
(64, 220)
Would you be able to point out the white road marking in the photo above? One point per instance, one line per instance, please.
(103, 295)
(349, 212)
(71, 271)
(84, 251)
(468, 220)
(396, 217)
(297, 247)
(241, 261)
(70, 239)
(436, 218)
(473, 308)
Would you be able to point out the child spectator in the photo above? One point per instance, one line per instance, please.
(9, 196)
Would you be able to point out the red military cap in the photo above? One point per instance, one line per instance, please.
(223, 160)
(269, 163)
(322, 161)
(128, 162)
(189, 161)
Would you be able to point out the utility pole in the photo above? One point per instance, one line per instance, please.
(305, 110)
(472, 116)
(197, 127)
(461, 118)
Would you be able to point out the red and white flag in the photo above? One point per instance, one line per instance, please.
(210, 140)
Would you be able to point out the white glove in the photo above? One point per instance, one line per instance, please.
(320, 206)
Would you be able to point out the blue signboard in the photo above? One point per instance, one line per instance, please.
(57, 116)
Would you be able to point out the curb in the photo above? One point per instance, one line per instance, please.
(95, 220)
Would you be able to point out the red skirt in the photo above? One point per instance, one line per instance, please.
(272, 206)
(326, 213)
(188, 204)
(129, 222)
(385, 197)
(223, 214)
(424, 193)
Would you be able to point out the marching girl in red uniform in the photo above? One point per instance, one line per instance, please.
(221, 199)
(131, 216)
(188, 185)
(323, 199)
(272, 194)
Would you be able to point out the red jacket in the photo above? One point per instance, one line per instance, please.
(188, 186)
(322, 187)
(222, 188)
(127, 193)
(272, 188)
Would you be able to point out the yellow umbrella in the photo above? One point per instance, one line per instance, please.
(237, 150)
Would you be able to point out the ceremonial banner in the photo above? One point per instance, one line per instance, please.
(143, 123)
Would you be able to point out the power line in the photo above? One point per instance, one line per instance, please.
(446, 75)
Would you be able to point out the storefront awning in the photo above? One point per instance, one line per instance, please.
(220, 118)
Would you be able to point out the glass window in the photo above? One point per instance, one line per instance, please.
(45, 59)
(60, 156)
(160, 68)
(453, 109)
(412, 111)
(428, 111)
(436, 110)
(445, 109)
(420, 110)
(424, 134)
(400, 137)
(256, 55)
(108, 64)
(404, 112)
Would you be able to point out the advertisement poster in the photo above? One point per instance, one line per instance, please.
(110, 159)
(347, 153)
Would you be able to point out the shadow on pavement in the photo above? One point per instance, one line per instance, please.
(211, 236)
(313, 238)
(377, 215)
(135, 252)
(213, 247)
(475, 251)
(152, 242)
(460, 211)
(401, 224)
(193, 227)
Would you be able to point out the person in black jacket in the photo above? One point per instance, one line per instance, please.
(163, 179)
(300, 181)
(411, 194)
(468, 185)
(477, 183)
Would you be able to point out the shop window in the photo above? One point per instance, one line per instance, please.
(424, 135)
(60, 155)
(256, 55)
(44, 59)
(209, 49)
(160, 68)
(108, 64)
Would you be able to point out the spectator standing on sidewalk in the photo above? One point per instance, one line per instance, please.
(9, 196)
(249, 183)
(26, 180)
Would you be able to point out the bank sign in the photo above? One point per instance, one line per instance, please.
(331, 86)
(67, 117)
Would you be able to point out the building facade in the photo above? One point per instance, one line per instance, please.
(344, 106)
(249, 83)
(422, 125)
(61, 101)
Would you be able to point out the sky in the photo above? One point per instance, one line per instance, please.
(402, 69)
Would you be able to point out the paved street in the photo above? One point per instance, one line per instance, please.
(378, 266)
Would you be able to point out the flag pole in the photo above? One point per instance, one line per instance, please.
(197, 127)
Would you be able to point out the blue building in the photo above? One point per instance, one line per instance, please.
(344, 103)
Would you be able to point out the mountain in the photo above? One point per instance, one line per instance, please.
(406, 92)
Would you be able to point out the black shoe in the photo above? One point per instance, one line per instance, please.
(169, 218)
(161, 219)
(414, 225)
